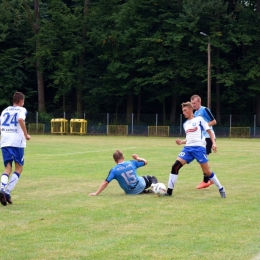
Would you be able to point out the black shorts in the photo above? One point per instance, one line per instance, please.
(149, 180)
(208, 145)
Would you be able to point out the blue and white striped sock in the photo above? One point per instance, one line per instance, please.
(12, 182)
(214, 178)
(4, 180)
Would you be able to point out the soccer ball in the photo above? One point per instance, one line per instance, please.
(159, 189)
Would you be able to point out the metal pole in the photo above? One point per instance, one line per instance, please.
(230, 124)
(107, 122)
(37, 121)
(254, 124)
(209, 72)
(132, 123)
(156, 121)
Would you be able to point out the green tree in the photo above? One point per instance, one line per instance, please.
(34, 20)
(12, 74)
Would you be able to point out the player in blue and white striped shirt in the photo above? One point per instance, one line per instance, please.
(206, 114)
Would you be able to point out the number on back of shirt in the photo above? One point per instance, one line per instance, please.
(10, 119)
(129, 177)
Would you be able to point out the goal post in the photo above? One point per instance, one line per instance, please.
(163, 131)
(36, 128)
(117, 130)
(239, 132)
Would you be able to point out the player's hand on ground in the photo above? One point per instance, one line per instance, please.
(178, 141)
(93, 194)
(214, 148)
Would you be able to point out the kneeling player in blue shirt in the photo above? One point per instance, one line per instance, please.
(125, 173)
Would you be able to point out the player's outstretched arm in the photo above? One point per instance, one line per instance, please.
(102, 186)
(137, 158)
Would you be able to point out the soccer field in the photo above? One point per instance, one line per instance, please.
(52, 216)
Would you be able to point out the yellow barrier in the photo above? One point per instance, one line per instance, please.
(78, 126)
(59, 126)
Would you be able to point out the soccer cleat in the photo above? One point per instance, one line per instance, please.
(204, 185)
(8, 198)
(166, 194)
(222, 192)
(2, 198)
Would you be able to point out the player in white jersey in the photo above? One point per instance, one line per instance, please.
(210, 119)
(13, 141)
(194, 149)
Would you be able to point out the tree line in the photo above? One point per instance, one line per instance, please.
(130, 56)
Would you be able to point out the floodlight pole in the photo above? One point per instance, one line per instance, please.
(209, 71)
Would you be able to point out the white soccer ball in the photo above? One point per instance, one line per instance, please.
(159, 188)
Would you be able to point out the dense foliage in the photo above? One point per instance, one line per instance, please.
(130, 56)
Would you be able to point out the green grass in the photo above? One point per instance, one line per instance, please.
(52, 216)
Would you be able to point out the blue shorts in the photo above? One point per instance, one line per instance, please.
(189, 153)
(11, 154)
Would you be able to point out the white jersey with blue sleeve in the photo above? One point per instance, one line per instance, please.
(206, 114)
(125, 174)
(11, 131)
(194, 131)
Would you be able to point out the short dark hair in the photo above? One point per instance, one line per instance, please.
(117, 155)
(17, 97)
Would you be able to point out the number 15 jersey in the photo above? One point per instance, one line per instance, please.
(11, 132)
(125, 174)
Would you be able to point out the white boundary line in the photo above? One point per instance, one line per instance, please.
(65, 154)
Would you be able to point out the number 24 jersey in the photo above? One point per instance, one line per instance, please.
(11, 132)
